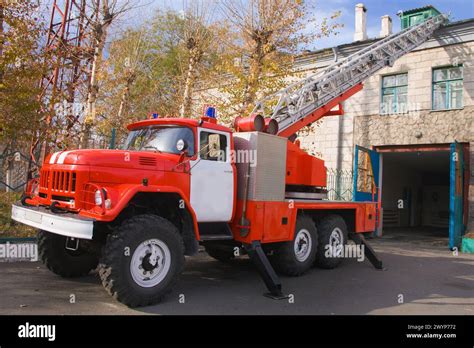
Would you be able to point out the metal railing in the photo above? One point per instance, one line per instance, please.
(339, 184)
(14, 169)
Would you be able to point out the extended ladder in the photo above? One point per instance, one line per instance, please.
(307, 100)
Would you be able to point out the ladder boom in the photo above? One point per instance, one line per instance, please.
(297, 105)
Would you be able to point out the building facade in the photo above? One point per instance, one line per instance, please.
(413, 113)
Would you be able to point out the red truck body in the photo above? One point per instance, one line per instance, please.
(71, 178)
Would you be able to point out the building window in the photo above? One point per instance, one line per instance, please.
(394, 94)
(447, 88)
(416, 19)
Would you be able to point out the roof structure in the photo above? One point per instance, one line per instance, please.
(415, 10)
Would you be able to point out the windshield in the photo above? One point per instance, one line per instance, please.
(161, 139)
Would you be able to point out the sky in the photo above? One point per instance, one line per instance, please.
(460, 9)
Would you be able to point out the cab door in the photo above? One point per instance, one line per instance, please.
(212, 177)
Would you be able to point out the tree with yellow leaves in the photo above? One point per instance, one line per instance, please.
(21, 70)
(267, 36)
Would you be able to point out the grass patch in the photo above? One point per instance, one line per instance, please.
(8, 227)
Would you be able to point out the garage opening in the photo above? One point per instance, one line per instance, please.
(415, 196)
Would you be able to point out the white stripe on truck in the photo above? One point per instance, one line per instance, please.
(62, 157)
(53, 157)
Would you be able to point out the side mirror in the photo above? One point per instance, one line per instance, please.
(181, 145)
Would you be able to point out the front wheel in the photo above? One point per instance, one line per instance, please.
(296, 257)
(142, 260)
(64, 262)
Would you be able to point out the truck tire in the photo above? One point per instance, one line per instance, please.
(332, 230)
(64, 262)
(296, 257)
(220, 253)
(142, 260)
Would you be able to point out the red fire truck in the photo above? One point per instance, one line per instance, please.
(177, 183)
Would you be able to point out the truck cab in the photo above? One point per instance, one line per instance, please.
(189, 158)
(203, 150)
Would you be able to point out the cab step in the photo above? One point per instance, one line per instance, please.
(215, 231)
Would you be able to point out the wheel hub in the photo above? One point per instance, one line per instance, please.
(150, 263)
(336, 239)
(303, 245)
(146, 264)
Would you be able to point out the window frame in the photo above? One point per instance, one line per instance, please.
(414, 16)
(396, 94)
(226, 149)
(448, 83)
(152, 127)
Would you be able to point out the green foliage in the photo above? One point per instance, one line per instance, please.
(8, 227)
(20, 70)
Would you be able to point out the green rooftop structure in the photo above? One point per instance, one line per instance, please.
(417, 15)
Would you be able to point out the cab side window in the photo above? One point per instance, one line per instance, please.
(213, 146)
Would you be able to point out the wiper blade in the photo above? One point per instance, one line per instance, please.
(152, 147)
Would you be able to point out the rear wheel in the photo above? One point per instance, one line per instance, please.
(142, 260)
(332, 234)
(296, 257)
(64, 262)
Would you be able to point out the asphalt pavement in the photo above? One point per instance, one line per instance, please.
(421, 278)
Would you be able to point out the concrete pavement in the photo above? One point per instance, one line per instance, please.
(420, 278)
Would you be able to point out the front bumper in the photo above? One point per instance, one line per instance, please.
(67, 224)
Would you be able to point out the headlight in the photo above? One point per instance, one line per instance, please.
(98, 197)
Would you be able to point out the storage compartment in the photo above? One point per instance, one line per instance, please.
(266, 156)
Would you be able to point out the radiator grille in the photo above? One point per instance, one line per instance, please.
(58, 180)
(147, 161)
(44, 179)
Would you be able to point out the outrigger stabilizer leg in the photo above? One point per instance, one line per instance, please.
(369, 252)
(266, 271)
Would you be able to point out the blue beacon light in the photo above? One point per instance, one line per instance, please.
(211, 112)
